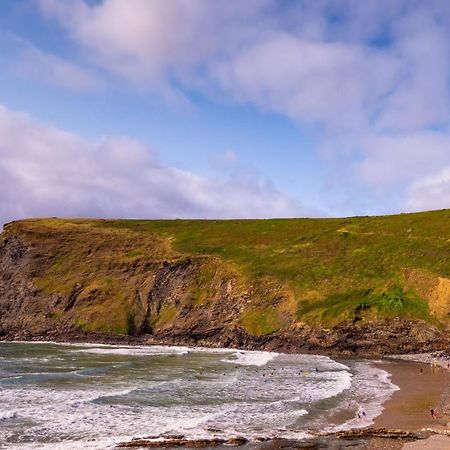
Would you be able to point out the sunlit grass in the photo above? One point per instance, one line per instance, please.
(331, 270)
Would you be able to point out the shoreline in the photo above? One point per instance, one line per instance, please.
(422, 386)
(404, 423)
(181, 341)
(422, 382)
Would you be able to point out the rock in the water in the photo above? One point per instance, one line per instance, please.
(237, 441)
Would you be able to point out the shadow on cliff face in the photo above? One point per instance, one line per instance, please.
(81, 282)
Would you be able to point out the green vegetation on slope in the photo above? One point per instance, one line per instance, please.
(353, 305)
(320, 271)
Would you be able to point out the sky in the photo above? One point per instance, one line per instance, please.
(223, 108)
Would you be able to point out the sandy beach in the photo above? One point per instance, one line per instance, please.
(422, 387)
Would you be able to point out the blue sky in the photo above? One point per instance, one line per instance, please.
(200, 108)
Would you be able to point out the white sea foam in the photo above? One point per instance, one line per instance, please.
(5, 415)
(250, 358)
(269, 394)
(98, 348)
(137, 351)
(92, 397)
(373, 387)
(334, 384)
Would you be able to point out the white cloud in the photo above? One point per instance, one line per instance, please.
(369, 80)
(421, 97)
(311, 82)
(45, 171)
(152, 44)
(391, 159)
(432, 192)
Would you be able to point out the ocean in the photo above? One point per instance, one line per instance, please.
(92, 396)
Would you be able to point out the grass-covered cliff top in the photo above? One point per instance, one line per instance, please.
(320, 271)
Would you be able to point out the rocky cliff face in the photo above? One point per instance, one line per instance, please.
(81, 283)
(162, 290)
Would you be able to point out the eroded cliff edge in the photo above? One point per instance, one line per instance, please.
(361, 285)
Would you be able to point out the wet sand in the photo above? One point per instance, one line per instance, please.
(436, 442)
(409, 407)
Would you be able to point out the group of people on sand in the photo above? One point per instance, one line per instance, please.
(440, 359)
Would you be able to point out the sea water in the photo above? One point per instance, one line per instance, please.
(92, 396)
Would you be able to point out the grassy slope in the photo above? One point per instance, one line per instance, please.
(325, 270)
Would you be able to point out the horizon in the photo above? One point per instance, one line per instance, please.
(198, 110)
(214, 219)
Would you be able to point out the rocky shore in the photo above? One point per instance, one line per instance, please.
(352, 342)
(342, 439)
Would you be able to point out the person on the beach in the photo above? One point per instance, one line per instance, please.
(433, 413)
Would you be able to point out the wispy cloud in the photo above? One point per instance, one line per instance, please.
(37, 65)
(155, 45)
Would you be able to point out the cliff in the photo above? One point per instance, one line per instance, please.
(354, 285)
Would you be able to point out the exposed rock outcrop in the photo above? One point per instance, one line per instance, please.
(76, 284)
